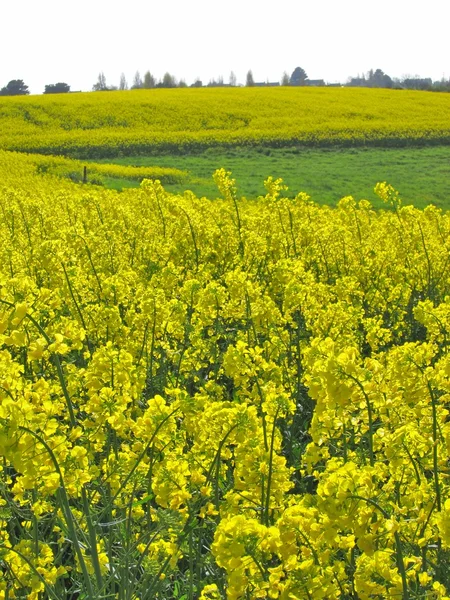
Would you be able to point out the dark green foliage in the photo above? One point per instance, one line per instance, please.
(16, 87)
(298, 76)
(57, 88)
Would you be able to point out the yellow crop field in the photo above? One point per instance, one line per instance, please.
(73, 169)
(137, 122)
(221, 399)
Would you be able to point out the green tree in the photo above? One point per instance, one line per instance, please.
(168, 81)
(100, 86)
(298, 76)
(249, 82)
(123, 85)
(233, 79)
(379, 79)
(16, 87)
(149, 81)
(57, 88)
(137, 81)
(285, 79)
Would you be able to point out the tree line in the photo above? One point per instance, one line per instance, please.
(372, 79)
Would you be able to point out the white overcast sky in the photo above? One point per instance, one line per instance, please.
(48, 41)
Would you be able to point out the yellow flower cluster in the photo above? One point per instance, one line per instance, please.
(135, 122)
(221, 398)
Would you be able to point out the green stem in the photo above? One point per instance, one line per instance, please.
(437, 486)
(92, 541)
(80, 314)
(141, 456)
(194, 239)
(269, 477)
(65, 506)
(191, 567)
(369, 414)
(398, 545)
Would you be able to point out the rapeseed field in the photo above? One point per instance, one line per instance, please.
(141, 121)
(220, 398)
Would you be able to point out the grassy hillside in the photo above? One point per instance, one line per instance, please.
(420, 174)
(144, 121)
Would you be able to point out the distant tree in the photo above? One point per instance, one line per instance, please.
(298, 76)
(182, 83)
(249, 82)
(149, 81)
(285, 79)
(441, 86)
(168, 81)
(416, 83)
(197, 83)
(233, 80)
(57, 88)
(216, 82)
(123, 85)
(358, 81)
(385, 79)
(100, 86)
(16, 87)
(374, 79)
(379, 79)
(137, 81)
